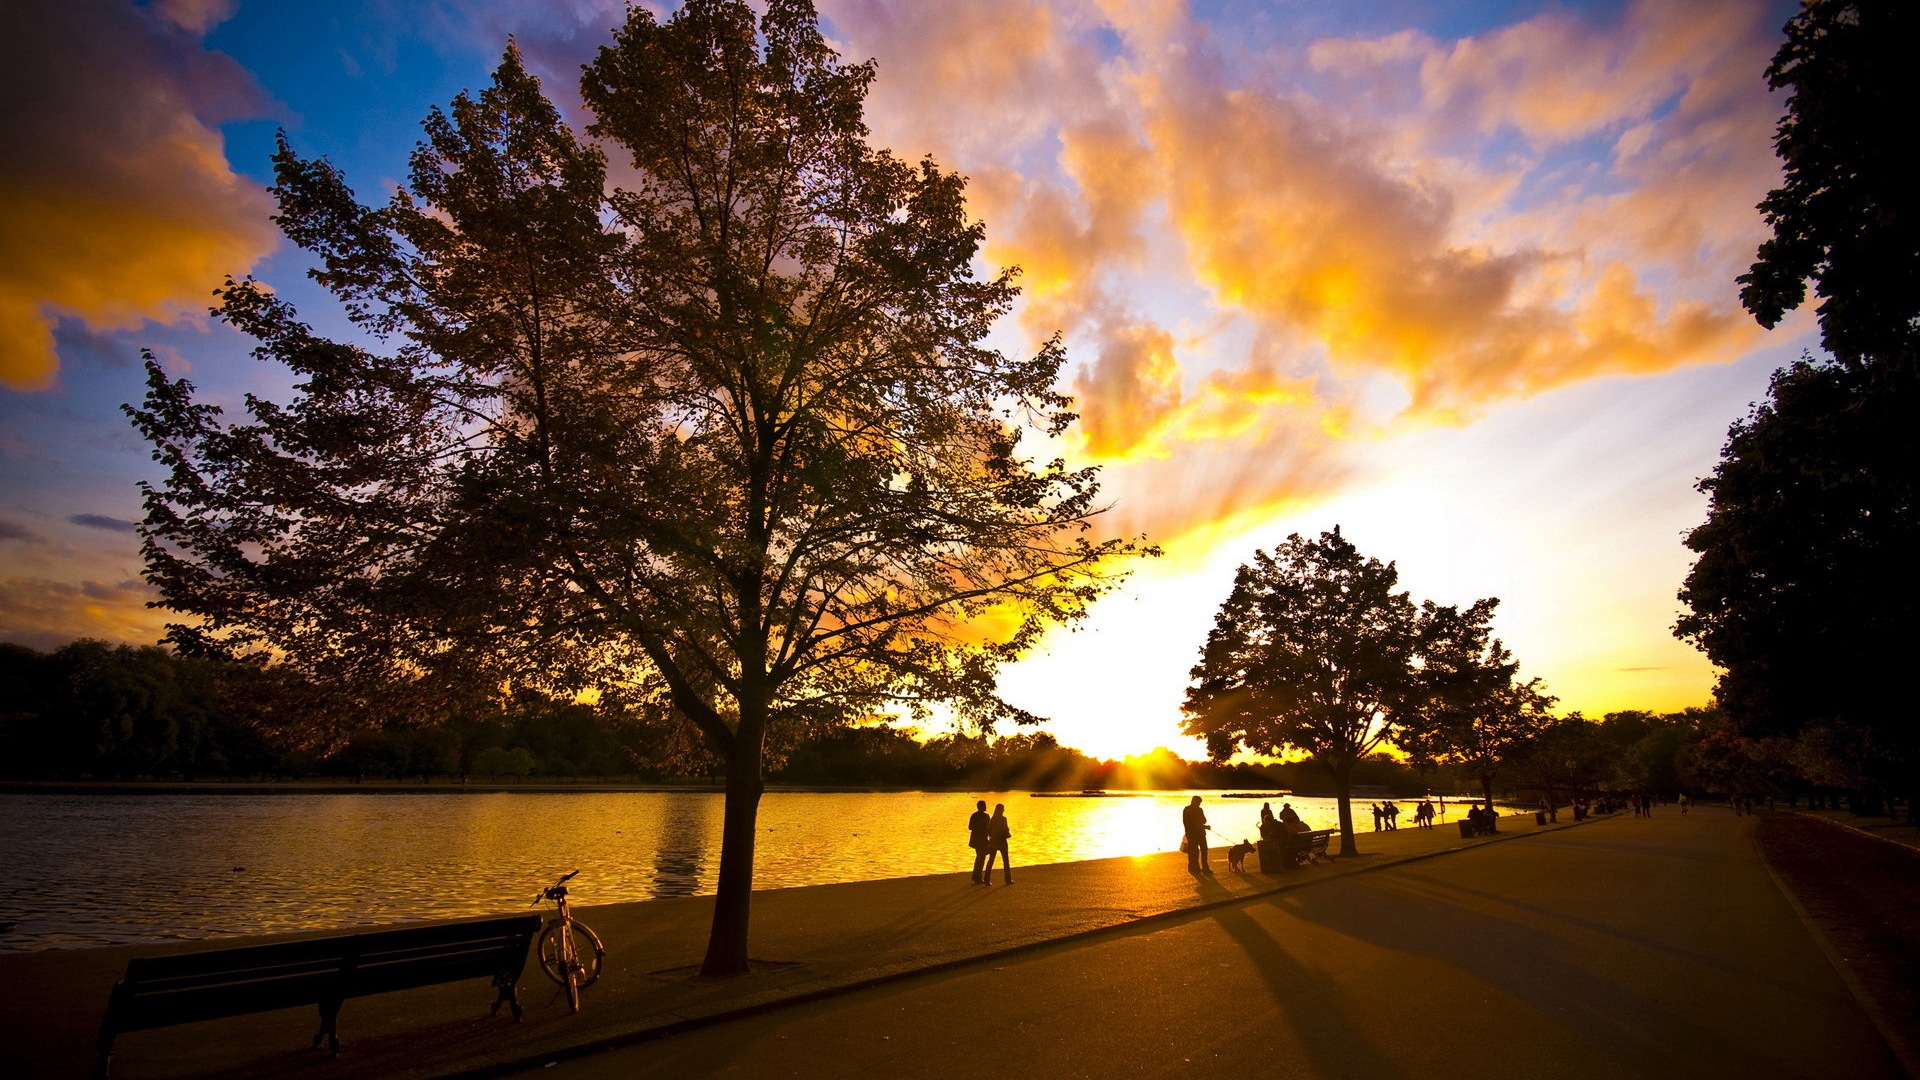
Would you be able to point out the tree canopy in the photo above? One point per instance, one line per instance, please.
(1314, 650)
(1803, 593)
(714, 424)
(1847, 215)
(1474, 714)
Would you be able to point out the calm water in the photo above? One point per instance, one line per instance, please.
(88, 870)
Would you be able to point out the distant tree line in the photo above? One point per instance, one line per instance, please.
(94, 710)
(91, 710)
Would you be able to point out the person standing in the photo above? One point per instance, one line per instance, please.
(1379, 815)
(997, 833)
(977, 827)
(1194, 821)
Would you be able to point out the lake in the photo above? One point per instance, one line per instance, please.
(115, 869)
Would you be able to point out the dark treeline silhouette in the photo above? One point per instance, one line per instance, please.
(95, 711)
(90, 710)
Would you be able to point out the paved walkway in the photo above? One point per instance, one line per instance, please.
(1634, 948)
(1651, 941)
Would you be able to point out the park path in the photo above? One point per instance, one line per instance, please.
(814, 940)
(1653, 947)
(1619, 947)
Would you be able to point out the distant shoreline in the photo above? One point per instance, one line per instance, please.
(391, 787)
(542, 787)
(450, 787)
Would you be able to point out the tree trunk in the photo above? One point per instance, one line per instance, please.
(1486, 789)
(1553, 809)
(727, 941)
(1343, 793)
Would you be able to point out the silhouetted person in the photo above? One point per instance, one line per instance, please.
(977, 826)
(997, 832)
(1379, 816)
(1194, 820)
(1270, 827)
(1288, 815)
(1483, 819)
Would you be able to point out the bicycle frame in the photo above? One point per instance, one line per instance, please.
(560, 952)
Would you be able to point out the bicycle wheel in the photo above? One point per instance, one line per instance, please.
(587, 954)
(553, 952)
(591, 953)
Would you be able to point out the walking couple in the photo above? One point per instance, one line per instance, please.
(987, 836)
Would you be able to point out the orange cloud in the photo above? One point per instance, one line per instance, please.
(1675, 88)
(1302, 227)
(45, 614)
(116, 201)
(1261, 251)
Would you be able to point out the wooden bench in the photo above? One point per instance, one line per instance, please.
(1296, 850)
(160, 991)
(1311, 847)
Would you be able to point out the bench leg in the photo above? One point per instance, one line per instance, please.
(509, 994)
(329, 1015)
(104, 1053)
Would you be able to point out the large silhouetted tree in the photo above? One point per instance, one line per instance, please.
(1803, 593)
(1314, 650)
(1847, 216)
(724, 428)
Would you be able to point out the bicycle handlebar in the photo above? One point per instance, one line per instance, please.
(547, 893)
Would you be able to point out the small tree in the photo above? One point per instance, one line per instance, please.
(1474, 714)
(1567, 754)
(724, 434)
(1314, 651)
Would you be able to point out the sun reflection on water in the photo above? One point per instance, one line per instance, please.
(106, 869)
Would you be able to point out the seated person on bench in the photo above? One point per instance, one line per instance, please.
(1483, 818)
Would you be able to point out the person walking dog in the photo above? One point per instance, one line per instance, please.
(1193, 820)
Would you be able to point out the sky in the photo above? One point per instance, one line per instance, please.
(1455, 277)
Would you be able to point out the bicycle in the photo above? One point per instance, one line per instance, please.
(561, 955)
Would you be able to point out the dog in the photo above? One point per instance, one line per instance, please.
(1237, 855)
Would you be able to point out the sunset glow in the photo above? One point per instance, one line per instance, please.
(1458, 279)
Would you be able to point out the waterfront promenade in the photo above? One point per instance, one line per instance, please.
(1622, 947)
